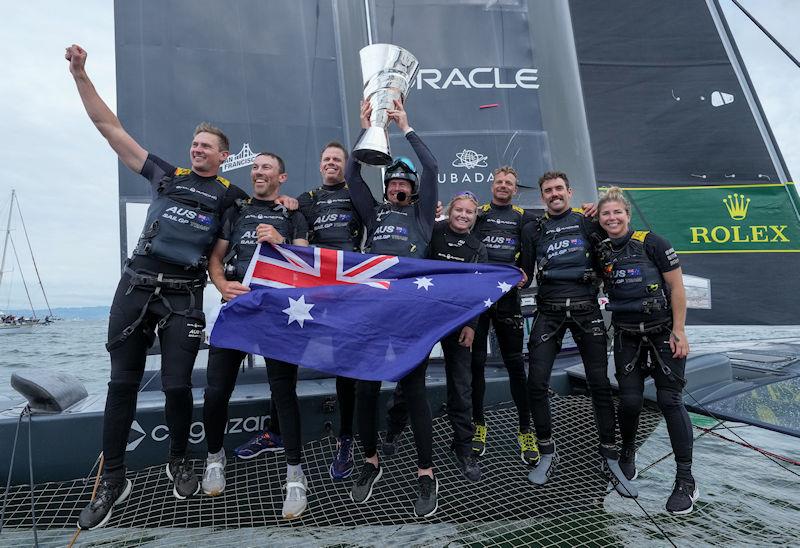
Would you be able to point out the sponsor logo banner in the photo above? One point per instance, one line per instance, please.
(716, 219)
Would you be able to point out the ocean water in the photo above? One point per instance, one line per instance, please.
(77, 347)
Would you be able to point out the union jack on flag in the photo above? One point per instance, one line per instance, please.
(371, 317)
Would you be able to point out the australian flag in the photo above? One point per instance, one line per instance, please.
(370, 317)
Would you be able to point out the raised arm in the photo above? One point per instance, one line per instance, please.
(129, 151)
(360, 194)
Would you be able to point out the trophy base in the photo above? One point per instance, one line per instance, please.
(373, 147)
(372, 157)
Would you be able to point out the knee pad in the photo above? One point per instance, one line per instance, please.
(631, 402)
(175, 383)
(125, 385)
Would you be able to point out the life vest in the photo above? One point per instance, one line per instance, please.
(243, 238)
(397, 232)
(447, 245)
(633, 281)
(499, 228)
(184, 219)
(563, 251)
(334, 224)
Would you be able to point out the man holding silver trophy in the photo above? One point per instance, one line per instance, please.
(402, 226)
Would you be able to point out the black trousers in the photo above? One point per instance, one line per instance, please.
(589, 332)
(669, 391)
(412, 387)
(223, 369)
(346, 398)
(283, 385)
(180, 338)
(506, 317)
(457, 360)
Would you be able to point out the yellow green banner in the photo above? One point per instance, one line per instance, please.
(719, 219)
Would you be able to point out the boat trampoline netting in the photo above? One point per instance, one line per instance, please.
(504, 509)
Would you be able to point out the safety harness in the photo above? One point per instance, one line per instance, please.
(567, 308)
(159, 285)
(646, 336)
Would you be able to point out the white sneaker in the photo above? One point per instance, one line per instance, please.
(214, 475)
(295, 502)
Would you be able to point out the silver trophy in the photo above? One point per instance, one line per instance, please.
(388, 72)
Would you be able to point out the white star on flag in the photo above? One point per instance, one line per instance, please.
(424, 283)
(487, 303)
(504, 287)
(298, 310)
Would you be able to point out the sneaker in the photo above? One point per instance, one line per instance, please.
(684, 495)
(98, 512)
(342, 465)
(181, 473)
(427, 500)
(362, 488)
(470, 466)
(214, 475)
(610, 468)
(296, 501)
(627, 462)
(546, 468)
(262, 442)
(479, 439)
(528, 448)
(390, 443)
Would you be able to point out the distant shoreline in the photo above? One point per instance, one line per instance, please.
(67, 312)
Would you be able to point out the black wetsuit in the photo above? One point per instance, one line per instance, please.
(642, 319)
(334, 224)
(183, 222)
(567, 298)
(500, 229)
(239, 226)
(404, 231)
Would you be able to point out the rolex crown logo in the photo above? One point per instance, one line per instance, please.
(737, 206)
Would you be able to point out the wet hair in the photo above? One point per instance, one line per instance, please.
(614, 194)
(466, 195)
(552, 175)
(508, 170)
(334, 144)
(205, 127)
(281, 165)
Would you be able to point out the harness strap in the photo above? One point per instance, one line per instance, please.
(567, 307)
(644, 334)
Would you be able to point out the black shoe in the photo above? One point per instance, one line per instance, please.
(427, 501)
(181, 473)
(627, 462)
(470, 466)
(390, 443)
(362, 488)
(98, 512)
(683, 497)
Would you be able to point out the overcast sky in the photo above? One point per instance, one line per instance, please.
(66, 176)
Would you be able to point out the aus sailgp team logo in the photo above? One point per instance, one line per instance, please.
(242, 158)
(737, 207)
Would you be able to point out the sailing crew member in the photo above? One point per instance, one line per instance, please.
(227, 266)
(644, 283)
(334, 224)
(161, 290)
(402, 226)
(499, 226)
(452, 241)
(557, 250)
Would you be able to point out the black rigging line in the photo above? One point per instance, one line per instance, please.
(765, 31)
(35, 267)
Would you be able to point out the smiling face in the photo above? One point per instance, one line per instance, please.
(395, 187)
(462, 214)
(206, 154)
(266, 177)
(556, 195)
(504, 188)
(331, 166)
(614, 218)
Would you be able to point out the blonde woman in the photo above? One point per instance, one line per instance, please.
(644, 283)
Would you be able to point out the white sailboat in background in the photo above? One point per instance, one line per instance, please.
(11, 324)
